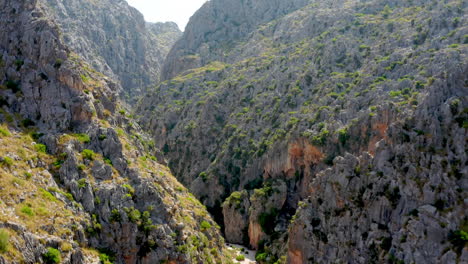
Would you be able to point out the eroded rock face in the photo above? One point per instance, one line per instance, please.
(115, 40)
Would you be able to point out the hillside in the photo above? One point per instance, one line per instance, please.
(80, 181)
(334, 131)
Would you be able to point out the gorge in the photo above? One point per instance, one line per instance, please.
(309, 131)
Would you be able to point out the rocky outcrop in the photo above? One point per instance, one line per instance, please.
(266, 204)
(236, 217)
(115, 40)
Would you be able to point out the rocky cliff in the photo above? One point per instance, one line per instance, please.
(115, 40)
(80, 182)
(357, 108)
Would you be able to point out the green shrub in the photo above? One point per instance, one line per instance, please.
(203, 176)
(293, 121)
(27, 210)
(205, 225)
(27, 175)
(146, 223)
(129, 188)
(240, 257)
(47, 195)
(4, 132)
(108, 161)
(115, 215)
(4, 244)
(41, 148)
(133, 214)
(394, 93)
(254, 184)
(7, 162)
(68, 195)
(36, 135)
(343, 135)
(52, 256)
(18, 64)
(321, 139)
(104, 258)
(265, 191)
(81, 167)
(82, 183)
(261, 257)
(88, 154)
(235, 199)
(83, 138)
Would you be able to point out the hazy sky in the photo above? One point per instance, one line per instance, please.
(178, 11)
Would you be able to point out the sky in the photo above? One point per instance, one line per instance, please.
(178, 11)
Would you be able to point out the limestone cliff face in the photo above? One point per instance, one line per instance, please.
(116, 41)
(313, 98)
(77, 173)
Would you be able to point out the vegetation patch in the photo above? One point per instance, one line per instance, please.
(88, 154)
(4, 241)
(83, 138)
(41, 148)
(52, 256)
(204, 225)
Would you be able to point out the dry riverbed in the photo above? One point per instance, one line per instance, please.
(249, 255)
